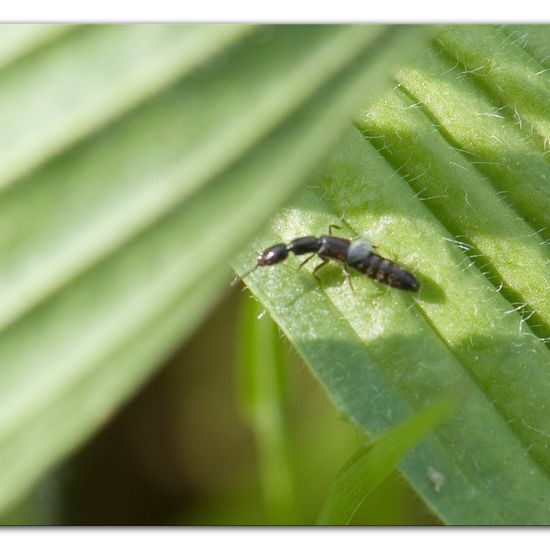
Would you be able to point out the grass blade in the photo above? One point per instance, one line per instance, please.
(263, 396)
(370, 466)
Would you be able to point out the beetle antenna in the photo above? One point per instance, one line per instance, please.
(239, 278)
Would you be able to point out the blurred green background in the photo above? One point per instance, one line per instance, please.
(181, 453)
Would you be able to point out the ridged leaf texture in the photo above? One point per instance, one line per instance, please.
(447, 174)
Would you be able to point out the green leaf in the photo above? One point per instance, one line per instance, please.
(370, 466)
(452, 186)
(137, 162)
(77, 83)
(512, 76)
(18, 40)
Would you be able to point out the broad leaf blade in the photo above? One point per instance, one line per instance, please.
(428, 190)
(17, 41)
(85, 78)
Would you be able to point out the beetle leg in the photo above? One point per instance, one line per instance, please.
(332, 226)
(347, 275)
(305, 261)
(318, 267)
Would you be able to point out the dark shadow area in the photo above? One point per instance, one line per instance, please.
(507, 387)
(430, 291)
(180, 438)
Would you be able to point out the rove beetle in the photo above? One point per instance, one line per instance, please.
(356, 253)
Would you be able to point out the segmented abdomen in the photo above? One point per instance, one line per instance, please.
(385, 271)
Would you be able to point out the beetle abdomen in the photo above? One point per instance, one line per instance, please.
(385, 271)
